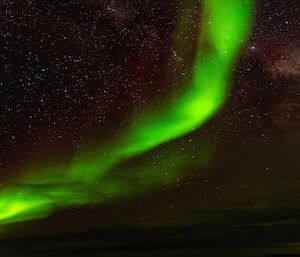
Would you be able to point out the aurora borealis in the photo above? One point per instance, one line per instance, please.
(149, 128)
(224, 30)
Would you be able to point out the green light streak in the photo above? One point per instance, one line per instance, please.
(225, 25)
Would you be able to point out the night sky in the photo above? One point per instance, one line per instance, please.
(75, 75)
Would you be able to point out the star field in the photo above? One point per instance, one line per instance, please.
(74, 72)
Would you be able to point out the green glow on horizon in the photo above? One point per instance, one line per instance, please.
(225, 26)
(14, 207)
